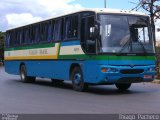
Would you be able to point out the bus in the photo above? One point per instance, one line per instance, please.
(87, 47)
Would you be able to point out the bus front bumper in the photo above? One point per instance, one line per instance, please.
(126, 74)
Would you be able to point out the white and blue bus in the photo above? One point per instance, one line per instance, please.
(88, 47)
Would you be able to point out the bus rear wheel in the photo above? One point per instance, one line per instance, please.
(123, 86)
(24, 77)
(77, 80)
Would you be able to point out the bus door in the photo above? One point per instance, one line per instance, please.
(88, 43)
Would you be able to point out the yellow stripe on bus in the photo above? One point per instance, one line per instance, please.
(35, 57)
(31, 57)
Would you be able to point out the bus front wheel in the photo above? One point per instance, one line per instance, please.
(123, 86)
(24, 77)
(77, 80)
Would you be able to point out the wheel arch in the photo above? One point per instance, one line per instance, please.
(73, 65)
(22, 63)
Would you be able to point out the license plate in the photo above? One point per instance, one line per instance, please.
(147, 76)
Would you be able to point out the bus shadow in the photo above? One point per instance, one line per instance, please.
(98, 90)
(108, 90)
(48, 83)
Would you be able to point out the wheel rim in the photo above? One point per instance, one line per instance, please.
(77, 79)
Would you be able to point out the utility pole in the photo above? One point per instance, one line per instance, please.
(105, 4)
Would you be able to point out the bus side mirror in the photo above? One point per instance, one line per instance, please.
(94, 32)
(92, 29)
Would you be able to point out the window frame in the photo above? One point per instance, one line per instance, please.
(67, 27)
(27, 38)
(83, 44)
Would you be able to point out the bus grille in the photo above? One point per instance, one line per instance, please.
(132, 71)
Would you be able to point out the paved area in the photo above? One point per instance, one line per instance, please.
(44, 98)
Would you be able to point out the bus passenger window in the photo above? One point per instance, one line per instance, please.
(8, 38)
(32, 34)
(49, 31)
(42, 32)
(52, 31)
(37, 32)
(62, 30)
(17, 37)
(71, 27)
(75, 26)
(46, 26)
(57, 30)
(21, 36)
(26, 39)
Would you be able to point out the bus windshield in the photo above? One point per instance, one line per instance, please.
(125, 34)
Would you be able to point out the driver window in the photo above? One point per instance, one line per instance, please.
(143, 35)
(87, 34)
(90, 42)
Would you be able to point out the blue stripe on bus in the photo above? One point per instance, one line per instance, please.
(71, 43)
(56, 69)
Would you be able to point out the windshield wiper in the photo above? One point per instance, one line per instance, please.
(129, 43)
(124, 46)
(144, 49)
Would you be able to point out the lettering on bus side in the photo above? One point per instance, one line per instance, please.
(33, 52)
(9, 54)
(76, 49)
(43, 52)
(38, 52)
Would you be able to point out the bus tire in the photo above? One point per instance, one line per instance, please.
(123, 86)
(24, 77)
(77, 80)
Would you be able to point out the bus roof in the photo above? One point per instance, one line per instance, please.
(118, 11)
(96, 10)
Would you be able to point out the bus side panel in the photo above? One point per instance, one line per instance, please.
(49, 69)
(91, 71)
(12, 67)
(55, 69)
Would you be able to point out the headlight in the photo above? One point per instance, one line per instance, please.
(109, 70)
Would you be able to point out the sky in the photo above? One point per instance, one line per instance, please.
(14, 13)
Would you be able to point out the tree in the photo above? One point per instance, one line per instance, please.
(154, 11)
(153, 7)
